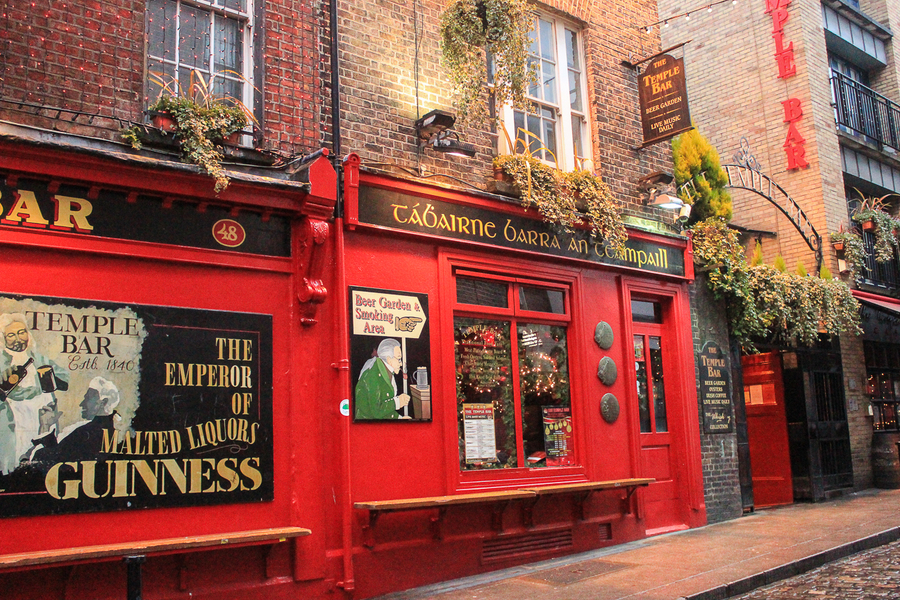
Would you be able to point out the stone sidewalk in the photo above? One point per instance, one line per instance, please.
(708, 563)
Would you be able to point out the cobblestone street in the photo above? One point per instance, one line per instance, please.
(871, 575)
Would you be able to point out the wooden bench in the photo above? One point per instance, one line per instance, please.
(584, 489)
(163, 546)
(500, 499)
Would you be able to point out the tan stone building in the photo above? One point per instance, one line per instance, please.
(809, 90)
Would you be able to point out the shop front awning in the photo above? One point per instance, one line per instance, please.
(883, 303)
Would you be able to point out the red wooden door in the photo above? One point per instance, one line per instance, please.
(770, 459)
(659, 455)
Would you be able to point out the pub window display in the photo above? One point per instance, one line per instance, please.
(512, 378)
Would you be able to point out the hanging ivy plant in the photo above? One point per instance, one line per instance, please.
(872, 214)
(853, 250)
(472, 31)
(765, 302)
(557, 196)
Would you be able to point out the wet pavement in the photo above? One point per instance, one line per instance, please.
(717, 561)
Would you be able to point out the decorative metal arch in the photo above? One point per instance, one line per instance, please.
(745, 174)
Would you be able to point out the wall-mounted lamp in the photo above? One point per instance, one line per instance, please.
(435, 128)
(657, 190)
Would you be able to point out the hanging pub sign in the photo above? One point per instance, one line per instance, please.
(112, 406)
(389, 341)
(715, 390)
(662, 89)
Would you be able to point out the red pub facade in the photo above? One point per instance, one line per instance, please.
(344, 373)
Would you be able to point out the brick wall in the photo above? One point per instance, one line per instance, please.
(78, 67)
(721, 479)
(735, 91)
(379, 98)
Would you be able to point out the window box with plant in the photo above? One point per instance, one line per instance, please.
(202, 121)
(566, 199)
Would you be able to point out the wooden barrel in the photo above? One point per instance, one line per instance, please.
(886, 460)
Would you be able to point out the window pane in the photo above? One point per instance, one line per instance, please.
(534, 126)
(577, 143)
(548, 44)
(485, 408)
(659, 390)
(640, 367)
(481, 292)
(575, 91)
(229, 45)
(544, 385)
(162, 70)
(549, 138)
(161, 29)
(645, 312)
(548, 76)
(572, 50)
(193, 38)
(542, 300)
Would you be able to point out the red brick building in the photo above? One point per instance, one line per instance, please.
(809, 90)
(328, 374)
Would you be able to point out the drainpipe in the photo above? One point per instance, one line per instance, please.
(343, 363)
(343, 370)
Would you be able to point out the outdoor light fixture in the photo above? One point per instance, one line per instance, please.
(435, 128)
(657, 191)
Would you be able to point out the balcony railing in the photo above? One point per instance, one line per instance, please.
(884, 274)
(864, 111)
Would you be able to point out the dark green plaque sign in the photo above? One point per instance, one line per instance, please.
(715, 390)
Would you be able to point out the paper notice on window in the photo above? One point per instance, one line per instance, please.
(558, 435)
(478, 429)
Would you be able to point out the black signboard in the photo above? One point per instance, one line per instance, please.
(112, 407)
(664, 104)
(35, 205)
(394, 210)
(715, 390)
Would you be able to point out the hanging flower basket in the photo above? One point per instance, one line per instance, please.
(838, 247)
(868, 225)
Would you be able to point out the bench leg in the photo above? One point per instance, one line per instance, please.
(135, 579)
(628, 504)
(497, 516)
(580, 499)
(528, 511)
(436, 522)
(369, 529)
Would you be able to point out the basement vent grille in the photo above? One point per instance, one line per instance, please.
(522, 545)
(605, 532)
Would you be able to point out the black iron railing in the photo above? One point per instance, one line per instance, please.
(865, 111)
(875, 273)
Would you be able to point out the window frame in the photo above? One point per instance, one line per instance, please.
(528, 274)
(251, 57)
(564, 151)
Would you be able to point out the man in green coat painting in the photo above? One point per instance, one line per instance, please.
(376, 391)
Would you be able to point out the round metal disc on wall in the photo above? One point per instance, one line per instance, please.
(609, 408)
(603, 335)
(607, 371)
